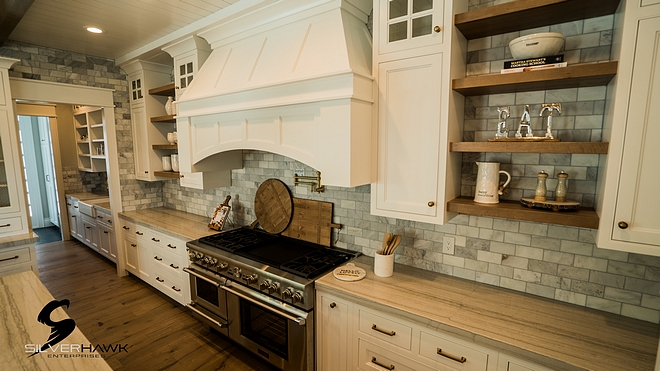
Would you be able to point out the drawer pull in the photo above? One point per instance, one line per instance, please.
(157, 258)
(159, 279)
(106, 232)
(332, 305)
(174, 266)
(139, 233)
(373, 360)
(170, 246)
(175, 289)
(12, 258)
(110, 221)
(75, 207)
(5, 225)
(133, 245)
(154, 239)
(453, 358)
(125, 227)
(388, 333)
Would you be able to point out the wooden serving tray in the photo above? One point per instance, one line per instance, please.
(551, 205)
(524, 139)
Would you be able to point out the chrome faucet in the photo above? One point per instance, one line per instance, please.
(502, 130)
(550, 108)
(525, 122)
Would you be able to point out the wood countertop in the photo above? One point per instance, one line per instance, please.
(557, 335)
(22, 297)
(175, 223)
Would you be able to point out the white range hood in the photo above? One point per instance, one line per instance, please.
(291, 81)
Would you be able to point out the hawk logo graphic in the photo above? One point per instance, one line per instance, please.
(60, 329)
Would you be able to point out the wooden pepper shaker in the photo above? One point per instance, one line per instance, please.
(560, 191)
(541, 189)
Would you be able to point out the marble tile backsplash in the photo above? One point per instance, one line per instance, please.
(80, 181)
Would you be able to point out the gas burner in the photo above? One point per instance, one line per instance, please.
(315, 263)
(236, 239)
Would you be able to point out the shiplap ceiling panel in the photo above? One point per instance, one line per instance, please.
(128, 24)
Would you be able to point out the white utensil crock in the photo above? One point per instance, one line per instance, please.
(175, 162)
(383, 264)
(167, 163)
(488, 181)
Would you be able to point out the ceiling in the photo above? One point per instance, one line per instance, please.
(128, 24)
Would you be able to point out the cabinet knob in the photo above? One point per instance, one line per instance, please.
(437, 29)
(431, 203)
(146, 172)
(623, 225)
(332, 305)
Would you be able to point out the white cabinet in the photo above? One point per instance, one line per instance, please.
(75, 218)
(13, 209)
(89, 133)
(18, 259)
(418, 115)
(129, 244)
(508, 363)
(630, 210)
(334, 336)
(90, 232)
(107, 246)
(144, 253)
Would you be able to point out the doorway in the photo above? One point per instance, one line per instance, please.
(39, 171)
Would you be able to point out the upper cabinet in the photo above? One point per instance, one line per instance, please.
(89, 132)
(407, 24)
(630, 208)
(13, 209)
(189, 55)
(417, 116)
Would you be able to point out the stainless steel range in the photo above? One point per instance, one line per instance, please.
(258, 289)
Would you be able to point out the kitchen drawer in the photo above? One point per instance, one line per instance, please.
(372, 357)
(12, 257)
(170, 286)
(103, 217)
(168, 243)
(386, 329)
(166, 262)
(452, 352)
(17, 268)
(127, 227)
(10, 225)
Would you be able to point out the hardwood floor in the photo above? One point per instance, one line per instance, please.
(159, 333)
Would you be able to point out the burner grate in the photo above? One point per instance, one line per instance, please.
(236, 239)
(316, 263)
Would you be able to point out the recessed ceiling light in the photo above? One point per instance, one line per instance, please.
(94, 29)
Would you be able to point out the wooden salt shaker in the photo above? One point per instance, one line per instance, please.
(541, 189)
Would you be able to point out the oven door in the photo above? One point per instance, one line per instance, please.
(279, 333)
(208, 299)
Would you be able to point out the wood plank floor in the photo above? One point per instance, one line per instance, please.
(108, 309)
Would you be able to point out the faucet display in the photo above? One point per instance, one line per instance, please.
(550, 107)
(525, 122)
(502, 130)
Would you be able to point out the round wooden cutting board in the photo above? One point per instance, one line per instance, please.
(273, 206)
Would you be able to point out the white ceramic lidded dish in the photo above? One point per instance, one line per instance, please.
(536, 45)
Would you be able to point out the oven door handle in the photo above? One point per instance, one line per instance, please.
(299, 320)
(219, 324)
(201, 277)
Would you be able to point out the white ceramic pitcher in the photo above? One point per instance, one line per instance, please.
(488, 181)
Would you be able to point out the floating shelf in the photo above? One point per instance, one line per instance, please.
(531, 147)
(525, 14)
(165, 146)
(166, 118)
(168, 174)
(584, 218)
(575, 76)
(165, 90)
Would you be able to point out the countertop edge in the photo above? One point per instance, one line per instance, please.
(18, 240)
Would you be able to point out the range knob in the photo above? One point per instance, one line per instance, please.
(265, 284)
(199, 255)
(288, 293)
(251, 278)
(237, 272)
(297, 297)
(223, 266)
(273, 287)
(207, 260)
(213, 262)
(191, 256)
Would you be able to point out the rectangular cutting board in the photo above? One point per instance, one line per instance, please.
(311, 221)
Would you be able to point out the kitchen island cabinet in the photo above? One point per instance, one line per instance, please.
(508, 326)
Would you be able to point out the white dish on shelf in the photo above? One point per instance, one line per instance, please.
(536, 45)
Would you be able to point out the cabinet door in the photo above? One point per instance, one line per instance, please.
(131, 253)
(141, 149)
(107, 243)
(407, 24)
(508, 363)
(185, 70)
(333, 337)
(90, 234)
(9, 166)
(638, 205)
(73, 222)
(408, 138)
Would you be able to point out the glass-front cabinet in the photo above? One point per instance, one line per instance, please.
(407, 24)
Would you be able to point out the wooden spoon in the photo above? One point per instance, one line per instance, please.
(395, 243)
(387, 238)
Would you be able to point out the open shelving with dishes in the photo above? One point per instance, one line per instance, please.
(89, 131)
(161, 124)
(516, 16)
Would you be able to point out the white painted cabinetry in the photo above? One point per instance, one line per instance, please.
(630, 210)
(334, 340)
(129, 244)
(89, 133)
(415, 59)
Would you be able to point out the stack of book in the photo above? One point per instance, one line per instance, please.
(522, 65)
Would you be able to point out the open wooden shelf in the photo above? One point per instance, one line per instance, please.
(166, 118)
(165, 90)
(168, 174)
(575, 76)
(531, 147)
(525, 14)
(165, 146)
(584, 218)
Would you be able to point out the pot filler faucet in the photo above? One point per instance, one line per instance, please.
(550, 108)
(525, 122)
